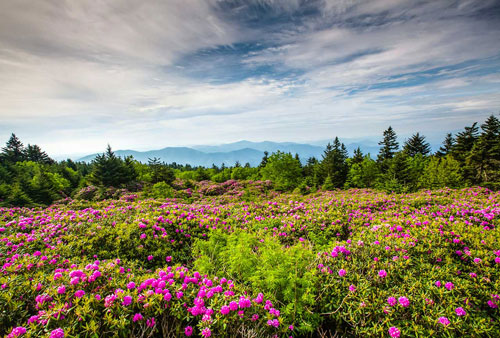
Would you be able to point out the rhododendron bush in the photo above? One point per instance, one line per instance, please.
(351, 263)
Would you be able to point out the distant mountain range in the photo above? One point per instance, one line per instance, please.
(242, 151)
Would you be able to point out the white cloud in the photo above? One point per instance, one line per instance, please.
(77, 75)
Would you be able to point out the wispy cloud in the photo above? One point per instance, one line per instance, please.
(76, 75)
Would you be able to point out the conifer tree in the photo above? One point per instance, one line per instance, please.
(264, 159)
(389, 145)
(358, 156)
(484, 156)
(14, 150)
(334, 163)
(160, 172)
(416, 144)
(464, 141)
(309, 168)
(447, 146)
(35, 154)
(111, 171)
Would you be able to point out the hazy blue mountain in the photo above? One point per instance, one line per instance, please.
(184, 155)
(304, 150)
(242, 151)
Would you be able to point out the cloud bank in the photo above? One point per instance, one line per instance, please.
(77, 75)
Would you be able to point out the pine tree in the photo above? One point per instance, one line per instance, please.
(417, 145)
(334, 163)
(160, 172)
(264, 159)
(14, 150)
(389, 145)
(35, 154)
(396, 176)
(464, 141)
(447, 146)
(309, 168)
(484, 156)
(108, 170)
(358, 156)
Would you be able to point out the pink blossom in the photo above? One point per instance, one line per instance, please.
(404, 301)
(206, 332)
(127, 300)
(392, 301)
(382, 273)
(188, 331)
(57, 333)
(17, 332)
(394, 332)
(342, 272)
(444, 321)
(460, 311)
(224, 310)
(79, 293)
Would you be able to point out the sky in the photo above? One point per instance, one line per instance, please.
(76, 75)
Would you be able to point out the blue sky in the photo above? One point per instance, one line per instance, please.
(77, 75)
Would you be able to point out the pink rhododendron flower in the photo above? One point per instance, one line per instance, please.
(449, 286)
(404, 301)
(17, 332)
(460, 311)
(224, 310)
(137, 317)
(342, 272)
(57, 333)
(444, 321)
(394, 332)
(206, 332)
(127, 300)
(392, 301)
(188, 331)
(79, 293)
(382, 273)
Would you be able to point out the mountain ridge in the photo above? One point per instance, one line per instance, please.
(242, 151)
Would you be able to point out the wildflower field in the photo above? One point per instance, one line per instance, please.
(239, 259)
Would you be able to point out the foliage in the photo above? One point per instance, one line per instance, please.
(334, 165)
(346, 263)
(284, 170)
(417, 144)
(389, 145)
(112, 171)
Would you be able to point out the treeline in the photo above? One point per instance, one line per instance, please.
(29, 177)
